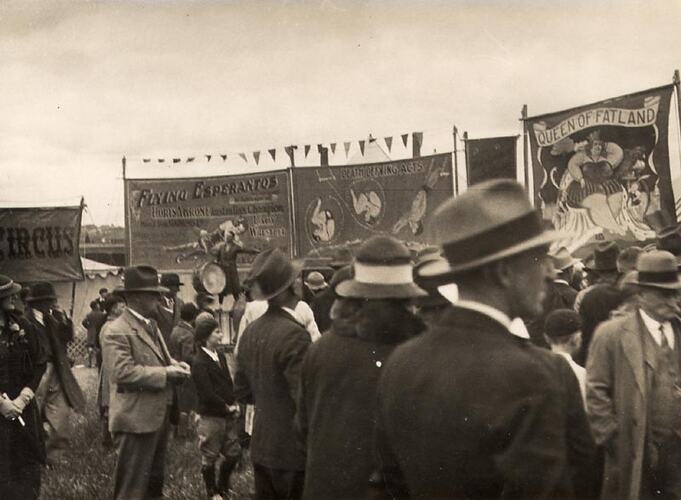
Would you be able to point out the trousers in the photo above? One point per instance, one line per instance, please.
(140, 465)
(278, 484)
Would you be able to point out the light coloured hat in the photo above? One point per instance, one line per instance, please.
(315, 281)
(657, 269)
(562, 259)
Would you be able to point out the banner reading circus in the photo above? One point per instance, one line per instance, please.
(40, 244)
(179, 223)
(601, 170)
(343, 205)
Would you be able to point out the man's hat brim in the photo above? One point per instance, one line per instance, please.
(148, 289)
(442, 268)
(14, 289)
(296, 268)
(665, 286)
(41, 298)
(359, 290)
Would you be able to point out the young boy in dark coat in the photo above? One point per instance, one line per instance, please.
(340, 373)
(218, 440)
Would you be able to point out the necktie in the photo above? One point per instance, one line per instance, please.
(664, 343)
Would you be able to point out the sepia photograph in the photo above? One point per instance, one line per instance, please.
(340, 249)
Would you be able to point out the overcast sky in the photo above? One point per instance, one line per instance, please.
(84, 83)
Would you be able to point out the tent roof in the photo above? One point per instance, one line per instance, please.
(92, 268)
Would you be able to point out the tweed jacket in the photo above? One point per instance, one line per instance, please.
(467, 410)
(619, 376)
(167, 319)
(138, 386)
(268, 375)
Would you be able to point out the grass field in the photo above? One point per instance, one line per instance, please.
(87, 470)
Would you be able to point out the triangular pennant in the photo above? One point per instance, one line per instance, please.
(290, 152)
(273, 154)
(243, 157)
(372, 138)
(417, 140)
(161, 160)
(388, 142)
(333, 148)
(405, 137)
(190, 159)
(146, 160)
(361, 147)
(224, 157)
(307, 149)
(208, 157)
(177, 160)
(256, 155)
(347, 145)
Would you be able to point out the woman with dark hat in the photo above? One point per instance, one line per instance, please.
(218, 440)
(22, 364)
(341, 371)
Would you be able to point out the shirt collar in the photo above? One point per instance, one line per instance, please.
(653, 327)
(38, 315)
(139, 316)
(516, 326)
(213, 355)
(562, 282)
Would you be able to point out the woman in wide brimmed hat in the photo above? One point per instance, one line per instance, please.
(341, 371)
(22, 364)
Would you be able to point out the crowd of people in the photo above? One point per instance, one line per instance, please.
(494, 365)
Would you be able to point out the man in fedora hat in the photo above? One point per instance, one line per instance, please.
(595, 303)
(59, 393)
(633, 379)
(168, 310)
(141, 380)
(269, 359)
(471, 409)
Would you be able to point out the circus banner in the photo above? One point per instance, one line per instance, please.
(40, 244)
(601, 171)
(343, 205)
(491, 158)
(178, 223)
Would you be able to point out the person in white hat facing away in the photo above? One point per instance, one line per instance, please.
(471, 408)
(336, 410)
(633, 376)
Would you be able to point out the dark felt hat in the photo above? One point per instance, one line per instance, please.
(272, 272)
(8, 286)
(491, 221)
(140, 279)
(561, 323)
(604, 257)
(343, 274)
(42, 292)
(657, 269)
(382, 270)
(341, 258)
(430, 285)
(171, 280)
(204, 327)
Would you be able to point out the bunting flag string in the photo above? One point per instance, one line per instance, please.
(388, 142)
(190, 159)
(161, 160)
(273, 154)
(405, 137)
(347, 145)
(177, 160)
(243, 157)
(307, 149)
(146, 160)
(224, 157)
(256, 156)
(333, 148)
(361, 147)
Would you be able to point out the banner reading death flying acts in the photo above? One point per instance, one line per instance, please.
(40, 244)
(176, 223)
(341, 205)
(602, 169)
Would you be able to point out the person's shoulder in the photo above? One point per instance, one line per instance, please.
(121, 324)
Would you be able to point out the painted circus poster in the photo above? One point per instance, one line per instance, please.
(601, 171)
(343, 205)
(178, 223)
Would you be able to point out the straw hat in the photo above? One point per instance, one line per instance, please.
(315, 281)
(8, 286)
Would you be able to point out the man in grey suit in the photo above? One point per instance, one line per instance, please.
(142, 377)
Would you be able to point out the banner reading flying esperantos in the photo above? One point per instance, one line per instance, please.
(341, 205)
(175, 223)
(601, 170)
(40, 244)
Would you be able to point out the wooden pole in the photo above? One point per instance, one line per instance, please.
(465, 154)
(676, 79)
(526, 170)
(73, 284)
(455, 132)
(126, 217)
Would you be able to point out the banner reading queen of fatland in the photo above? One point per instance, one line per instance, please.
(40, 244)
(180, 223)
(602, 169)
(343, 205)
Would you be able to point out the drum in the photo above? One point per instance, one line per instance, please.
(210, 278)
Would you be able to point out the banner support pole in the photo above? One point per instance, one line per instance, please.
(526, 172)
(73, 284)
(455, 132)
(125, 219)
